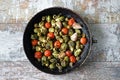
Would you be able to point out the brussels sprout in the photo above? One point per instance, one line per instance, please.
(63, 47)
(41, 24)
(66, 58)
(77, 52)
(35, 25)
(63, 64)
(71, 45)
(38, 48)
(65, 38)
(36, 30)
(44, 58)
(42, 39)
(51, 29)
(48, 18)
(53, 23)
(34, 36)
(52, 66)
(43, 18)
(43, 30)
(70, 32)
(55, 54)
(53, 60)
(61, 55)
(77, 44)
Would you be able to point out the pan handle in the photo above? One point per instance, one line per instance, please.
(94, 40)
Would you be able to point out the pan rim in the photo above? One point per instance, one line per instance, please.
(90, 38)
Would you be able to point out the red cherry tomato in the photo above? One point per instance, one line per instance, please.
(34, 42)
(51, 35)
(71, 21)
(64, 30)
(68, 53)
(72, 59)
(47, 25)
(57, 44)
(47, 53)
(38, 55)
(83, 40)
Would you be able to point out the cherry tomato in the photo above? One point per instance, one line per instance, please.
(38, 55)
(57, 44)
(72, 59)
(64, 30)
(51, 35)
(83, 40)
(47, 25)
(47, 53)
(71, 21)
(34, 42)
(68, 53)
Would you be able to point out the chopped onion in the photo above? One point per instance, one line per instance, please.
(76, 26)
(58, 23)
(74, 37)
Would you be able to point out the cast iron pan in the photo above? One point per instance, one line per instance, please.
(29, 30)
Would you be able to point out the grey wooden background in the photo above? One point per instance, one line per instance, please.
(103, 16)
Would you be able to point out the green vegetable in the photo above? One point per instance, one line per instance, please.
(63, 64)
(38, 48)
(70, 32)
(54, 16)
(77, 52)
(61, 55)
(48, 18)
(46, 63)
(63, 47)
(43, 30)
(53, 60)
(61, 40)
(66, 59)
(71, 45)
(55, 53)
(51, 29)
(44, 58)
(77, 44)
(60, 18)
(35, 25)
(65, 38)
(43, 18)
(36, 30)
(52, 66)
(42, 39)
(41, 24)
(64, 24)
(34, 36)
(53, 22)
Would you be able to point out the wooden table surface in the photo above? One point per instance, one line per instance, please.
(103, 16)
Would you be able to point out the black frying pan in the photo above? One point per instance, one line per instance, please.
(37, 18)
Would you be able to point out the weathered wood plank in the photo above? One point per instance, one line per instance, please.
(93, 11)
(89, 71)
(107, 48)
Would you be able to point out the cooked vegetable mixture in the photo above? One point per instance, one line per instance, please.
(57, 41)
